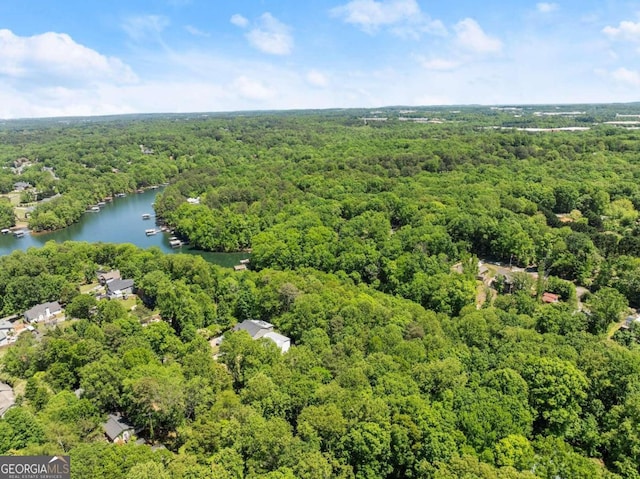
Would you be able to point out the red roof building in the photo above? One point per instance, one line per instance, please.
(550, 298)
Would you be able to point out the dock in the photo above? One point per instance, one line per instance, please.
(146, 216)
(19, 233)
(6, 231)
(150, 232)
(175, 243)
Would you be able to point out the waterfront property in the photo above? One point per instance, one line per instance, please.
(105, 277)
(21, 186)
(120, 222)
(119, 288)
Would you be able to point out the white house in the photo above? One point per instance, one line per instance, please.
(42, 312)
(283, 342)
(261, 329)
(119, 288)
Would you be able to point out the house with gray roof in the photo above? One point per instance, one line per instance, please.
(6, 326)
(7, 329)
(283, 342)
(21, 186)
(42, 312)
(118, 288)
(255, 327)
(7, 398)
(117, 429)
(261, 329)
(105, 277)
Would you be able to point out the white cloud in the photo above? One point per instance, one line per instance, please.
(626, 30)
(624, 75)
(196, 32)
(51, 102)
(404, 16)
(471, 37)
(271, 36)
(252, 89)
(55, 58)
(317, 78)
(369, 14)
(64, 78)
(142, 26)
(544, 7)
(439, 64)
(239, 21)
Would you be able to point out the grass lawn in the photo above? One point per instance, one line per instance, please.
(14, 197)
(86, 288)
(128, 303)
(67, 323)
(21, 213)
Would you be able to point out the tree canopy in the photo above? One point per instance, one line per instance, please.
(454, 294)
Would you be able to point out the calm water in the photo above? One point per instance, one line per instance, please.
(117, 222)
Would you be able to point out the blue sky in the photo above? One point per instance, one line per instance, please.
(106, 57)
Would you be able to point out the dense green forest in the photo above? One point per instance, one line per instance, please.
(375, 385)
(394, 204)
(366, 237)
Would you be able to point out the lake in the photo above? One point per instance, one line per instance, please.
(119, 221)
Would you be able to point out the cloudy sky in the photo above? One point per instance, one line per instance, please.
(123, 56)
